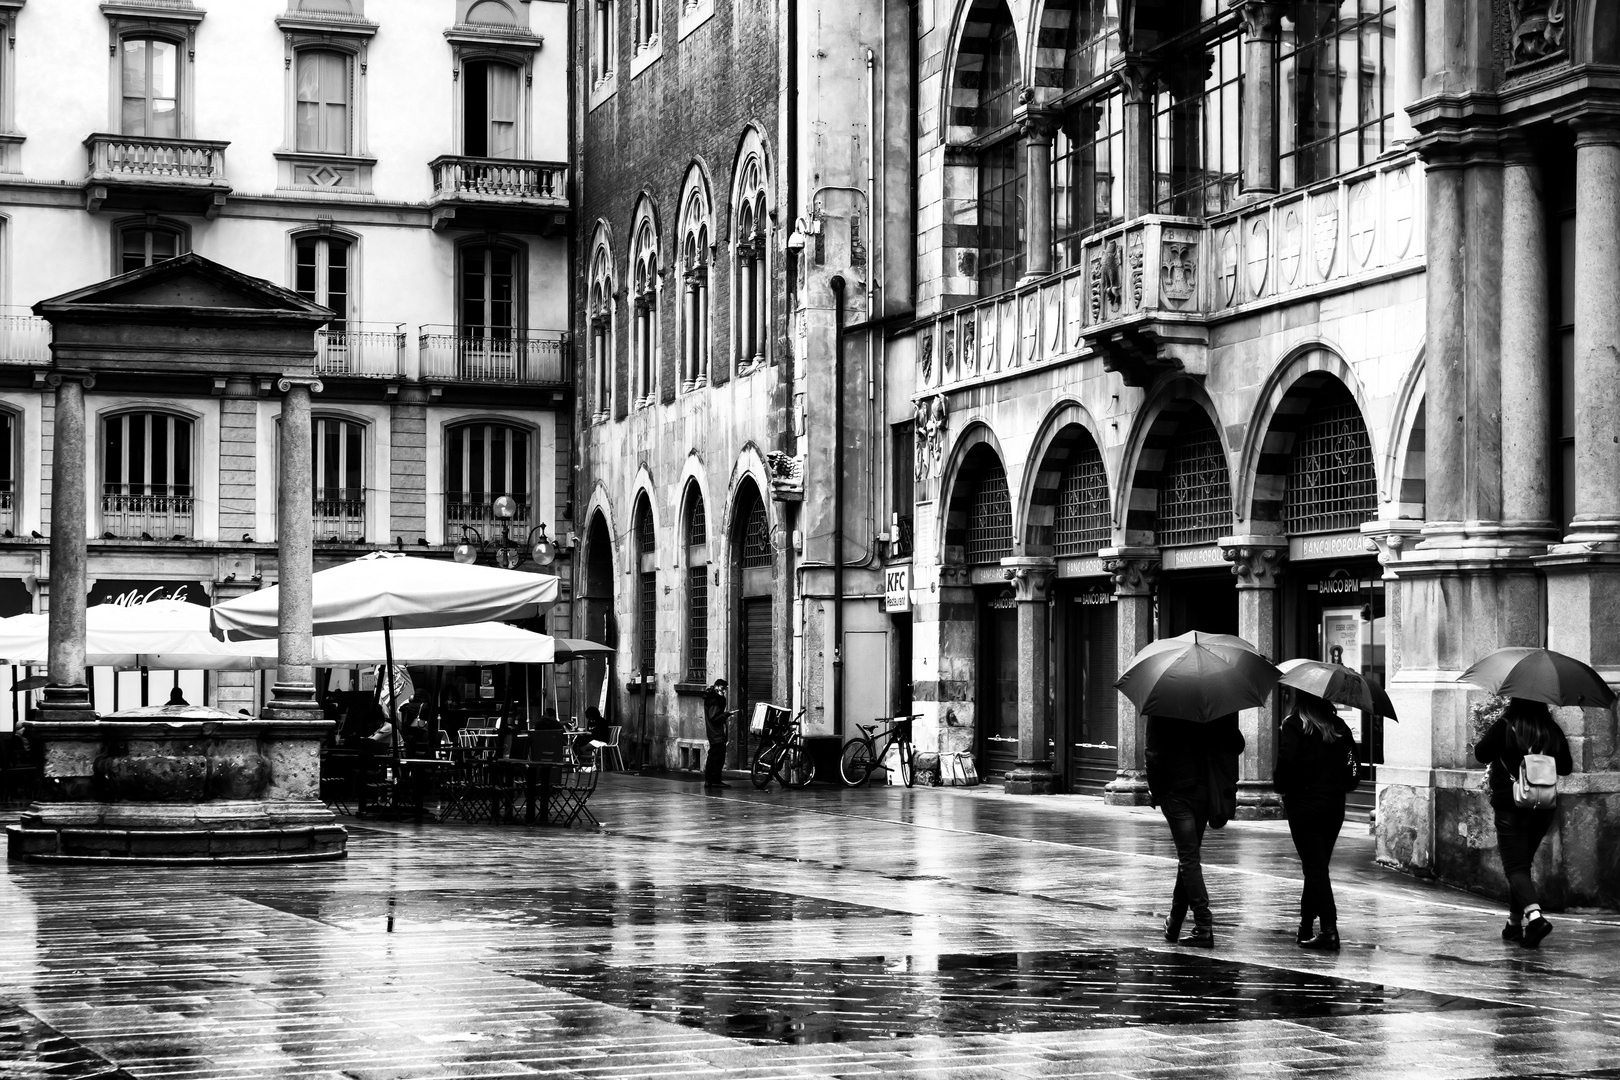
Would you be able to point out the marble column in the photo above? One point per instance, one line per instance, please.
(1256, 562)
(1032, 772)
(1526, 351)
(1444, 341)
(1136, 572)
(66, 696)
(1597, 337)
(1260, 18)
(689, 345)
(293, 695)
(1035, 131)
(700, 347)
(1140, 79)
(1408, 63)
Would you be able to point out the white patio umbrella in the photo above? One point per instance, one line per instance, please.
(389, 591)
(160, 634)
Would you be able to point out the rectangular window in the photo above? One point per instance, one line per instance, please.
(141, 245)
(1088, 154)
(151, 87)
(487, 292)
(1198, 131)
(490, 110)
(321, 274)
(1001, 217)
(323, 102)
(697, 627)
(146, 476)
(1334, 109)
(340, 498)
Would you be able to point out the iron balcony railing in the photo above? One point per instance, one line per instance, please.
(24, 339)
(526, 357)
(147, 517)
(499, 180)
(166, 161)
(362, 350)
(340, 517)
(480, 514)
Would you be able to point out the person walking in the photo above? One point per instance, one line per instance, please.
(1316, 766)
(1525, 727)
(715, 721)
(1179, 758)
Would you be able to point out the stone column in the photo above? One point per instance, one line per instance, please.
(1526, 350)
(1597, 336)
(1032, 773)
(1136, 572)
(1408, 63)
(1260, 18)
(689, 348)
(293, 695)
(1444, 341)
(700, 347)
(1035, 131)
(1256, 561)
(66, 696)
(1140, 80)
(748, 305)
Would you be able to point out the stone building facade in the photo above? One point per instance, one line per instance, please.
(1183, 273)
(401, 163)
(725, 155)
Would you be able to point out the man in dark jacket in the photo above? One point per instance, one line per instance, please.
(715, 718)
(1178, 754)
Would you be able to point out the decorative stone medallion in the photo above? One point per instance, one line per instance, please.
(1324, 233)
(1178, 266)
(1363, 223)
(1290, 246)
(1257, 255)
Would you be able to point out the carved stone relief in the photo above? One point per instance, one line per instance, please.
(1398, 199)
(1030, 327)
(1539, 29)
(1290, 246)
(1226, 245)
(932, 420)
(970, 353)
(1133, 257)
(925, 355)
(1054, 321)
(1178, 267)
(1324, 233)
(1257, 255)
(1363, 223)
(1072, 312)
(1096, 288)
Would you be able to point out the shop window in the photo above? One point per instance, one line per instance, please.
(1195, 489)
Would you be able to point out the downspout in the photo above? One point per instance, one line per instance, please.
(837, 284)
(875, 296)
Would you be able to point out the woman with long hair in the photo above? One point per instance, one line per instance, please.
(1525, 727)
(1316, 766)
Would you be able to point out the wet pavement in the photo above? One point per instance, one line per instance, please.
(822, 933)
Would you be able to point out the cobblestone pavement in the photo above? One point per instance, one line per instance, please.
(822, 933)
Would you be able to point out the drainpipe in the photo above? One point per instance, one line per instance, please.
(837, 284)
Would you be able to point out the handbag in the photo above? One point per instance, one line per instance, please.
(1223, 784)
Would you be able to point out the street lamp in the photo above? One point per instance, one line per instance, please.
(538, 547)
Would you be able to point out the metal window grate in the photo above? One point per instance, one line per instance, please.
(697, 524)
(1331, 486)
(648, 616)
(989, 531)
(697, 623)
(1195, 505)
(1083, 520)
(756, 554)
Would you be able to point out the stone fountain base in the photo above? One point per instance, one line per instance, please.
(178, 785)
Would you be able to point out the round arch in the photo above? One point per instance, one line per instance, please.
(1405, 465)
(1264, 460)
(1153, 434)
(1061, 436)
(970, 38)
(956, 488)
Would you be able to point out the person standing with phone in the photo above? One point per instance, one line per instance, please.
(716, 723)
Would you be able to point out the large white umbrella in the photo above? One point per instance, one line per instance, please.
(383, 591)
(159, 634)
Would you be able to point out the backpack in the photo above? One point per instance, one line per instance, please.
(1536, 785)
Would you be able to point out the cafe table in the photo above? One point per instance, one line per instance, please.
(415, 774)
(536, 784)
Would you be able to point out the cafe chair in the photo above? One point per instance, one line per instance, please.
(610, 751)
(570, 793)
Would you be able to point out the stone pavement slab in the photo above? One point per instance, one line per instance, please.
(822, 933)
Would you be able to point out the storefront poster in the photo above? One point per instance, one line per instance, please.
(1341, 644)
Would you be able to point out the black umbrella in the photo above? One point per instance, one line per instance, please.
(1540, 675)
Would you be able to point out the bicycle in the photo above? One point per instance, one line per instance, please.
(782, 755)
(861, 755)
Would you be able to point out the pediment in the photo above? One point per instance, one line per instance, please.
(191, 282)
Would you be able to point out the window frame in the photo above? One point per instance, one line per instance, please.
(1219, 41)
(520, 275)
(1288, 120)
(600, 326)
(149, 223)
(177, 26)
(646, 34)
(644, 535)
(349, 172)
(646, 284)
(602, 59)
(695, 552)
(324, 239)
(149, 41)
(346, 58)
(346, 424)
(751, 254)
(695, 318)
(192, 487)
(527, 506)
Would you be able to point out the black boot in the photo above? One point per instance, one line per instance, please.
(1172, 925)
(1306, 931)
(1512, 932)
(1327, 940)
(1202, 937)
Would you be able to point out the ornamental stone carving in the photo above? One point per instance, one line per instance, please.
(1132, 576)
(1133, 256)
(1031, 578)
(949, 365)
(932, 420)
(1096, 274)
(1110, 274)
(925, 359)
(1539, 29)
(1255, 566)
(1387, 545)
(1178, 269)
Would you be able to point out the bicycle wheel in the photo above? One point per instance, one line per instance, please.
(855, 764)
(908, 771)
(795, 768)
(765, 764)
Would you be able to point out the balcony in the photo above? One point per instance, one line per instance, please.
(1142, 296)
(24, 339)
(356, 352)
(498, 193)
(138, 172)
(340, 517)
(146, 517)
(514, 357)
(458, 511)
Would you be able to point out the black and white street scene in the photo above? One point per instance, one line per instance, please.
(809, 539)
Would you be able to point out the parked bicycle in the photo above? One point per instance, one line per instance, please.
(782, 755)
(862, 755)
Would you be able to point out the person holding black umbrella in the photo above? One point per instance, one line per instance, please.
(1523, 815)
(1180, 758)
(1316, 766)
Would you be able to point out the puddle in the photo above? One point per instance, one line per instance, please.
(892, 997)
(602, 905)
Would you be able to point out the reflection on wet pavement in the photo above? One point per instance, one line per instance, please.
(888, 997)
(595, 905)
(29, 1047)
